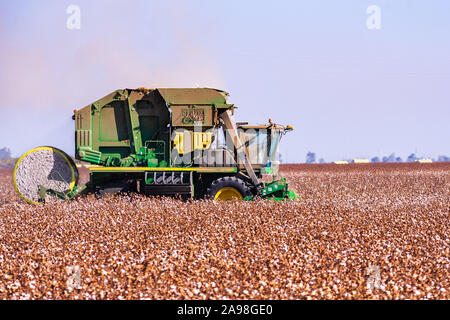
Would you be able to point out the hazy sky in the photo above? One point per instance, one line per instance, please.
(349, 91)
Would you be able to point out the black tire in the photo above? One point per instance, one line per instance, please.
(227, 182)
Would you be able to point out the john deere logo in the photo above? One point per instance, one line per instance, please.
(190, 115)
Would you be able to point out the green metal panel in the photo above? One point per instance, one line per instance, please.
(112, 124)
(109, 126)
(134, 121)
(193, 96)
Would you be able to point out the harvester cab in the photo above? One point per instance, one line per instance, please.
(170, 141)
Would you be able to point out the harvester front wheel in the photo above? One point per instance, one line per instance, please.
(228, 189)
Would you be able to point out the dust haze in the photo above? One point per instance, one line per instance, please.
(44, 85)
(33, 76)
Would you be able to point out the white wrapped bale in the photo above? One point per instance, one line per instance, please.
(45, 166)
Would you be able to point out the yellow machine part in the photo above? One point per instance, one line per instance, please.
(202, 140)
(178, 142)
(187, 141)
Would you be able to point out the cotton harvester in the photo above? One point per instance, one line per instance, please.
(160, 142)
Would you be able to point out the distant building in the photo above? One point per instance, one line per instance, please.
(340, 162)
(359, 160)
(424, 160)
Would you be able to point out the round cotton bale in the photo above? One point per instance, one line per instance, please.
(45, 166)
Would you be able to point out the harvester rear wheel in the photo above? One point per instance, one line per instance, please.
(228, 189)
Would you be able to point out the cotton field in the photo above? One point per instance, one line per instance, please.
(358, 231)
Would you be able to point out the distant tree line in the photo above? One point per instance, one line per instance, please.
(390, 158)
(443, 158)
(311, 158)
(5, 153)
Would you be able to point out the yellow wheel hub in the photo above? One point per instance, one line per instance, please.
(227, 194)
